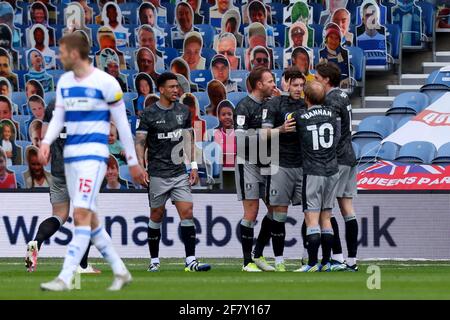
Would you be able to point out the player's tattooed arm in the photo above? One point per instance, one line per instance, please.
(141, 145)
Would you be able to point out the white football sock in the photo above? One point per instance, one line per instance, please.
(351, 261)
(338, 257)
(189, 259)
(279, 259)
(75, 252)
(102, 241)
(155, 260)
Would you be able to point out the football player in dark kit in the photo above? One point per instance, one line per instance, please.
(285, 186)
(328, 74)
(166, 130)
(250, 183)
(317, 128)
(60, 200)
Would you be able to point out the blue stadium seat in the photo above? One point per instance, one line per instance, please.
(170, 12)
(375, 126)
(279, 34)
(240, 52)
(49, 96)
(21, 78)
(409, 103)
(203, 100)
(211, 122)
(434, 91)
(358, 68)
(428, 19)
(375, 151)
(236, 97)
(23, 144)
(400, 119)
(94, 28)
(443, 155)
(128, 98)
(278, 57)
(169, 54)
(417, 152)
(240, 76)
(129, 55)
(439, 77)
(132, 120)
(318, 37)
(395, 44)
(23, 127)
(130, 77)
(56, 74)
(129, 12)
(208, 54)
(356, 149)
(201, 78)
(277, 12)
(278, 74)
(317, 10)
(316, 56)
(212, 159)
(208, 32)
(18, 171)
(19, 98)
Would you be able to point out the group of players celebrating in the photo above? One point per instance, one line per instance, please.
(310, 122)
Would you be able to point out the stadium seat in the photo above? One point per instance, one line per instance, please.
(19, 98)
(317, 10)
(400, 119)
(279, 34)
(208, 54)
(129, 56)
(375, 126)
(240, 76)
(201, 78)
(417, 152)
(128, 98)
(56, 74)
(129, 11)
(439, 77)
(412, 102)
(208, 32)
(236, 97)
(23, 144)
(434, 91)
(18, 172)
(169, 54)
(358, 68)
(170, 12)
(203, 100)
(428, 18)
(278, 57)
(395, 45)
(49, 96)
(356, 149)
(211, 122)
(277, 12)
(278, 74)
(375, 151)
(443, 155)
(132, 121)
(318, 34)
(22, 120)
(212, 159)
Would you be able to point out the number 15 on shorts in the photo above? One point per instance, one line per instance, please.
(85, 186)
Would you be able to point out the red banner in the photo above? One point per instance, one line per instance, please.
(386, 175)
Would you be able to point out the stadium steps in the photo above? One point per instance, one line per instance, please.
(395, 90)
(429, 67)
(361, 113)
(413, 79)
(378, 101)
(443, 56)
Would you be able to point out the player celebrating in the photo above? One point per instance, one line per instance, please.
(86, 99)
(163, 128)
(316, 128)
(250, 183)
(285, 186)
(328, 74)
(59, 198)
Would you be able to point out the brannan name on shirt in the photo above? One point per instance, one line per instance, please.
(314, 113)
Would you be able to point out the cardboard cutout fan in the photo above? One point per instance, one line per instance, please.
(112, 17)
(74, 19)
(107, 39)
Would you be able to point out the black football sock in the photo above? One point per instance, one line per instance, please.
(84, 260)
(46, 229)
(264, 236)
(337, 247)
(304, 234)
(351, 235)
(327, 243)
(154, 237)
(188, 236)
(278, 233)
(313, 244)
(247, 234)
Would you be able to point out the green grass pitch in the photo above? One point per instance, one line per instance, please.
(399, 280)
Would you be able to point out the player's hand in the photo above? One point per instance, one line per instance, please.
(44, 154)
(193, 177)
(139, 175)
(288, 126)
